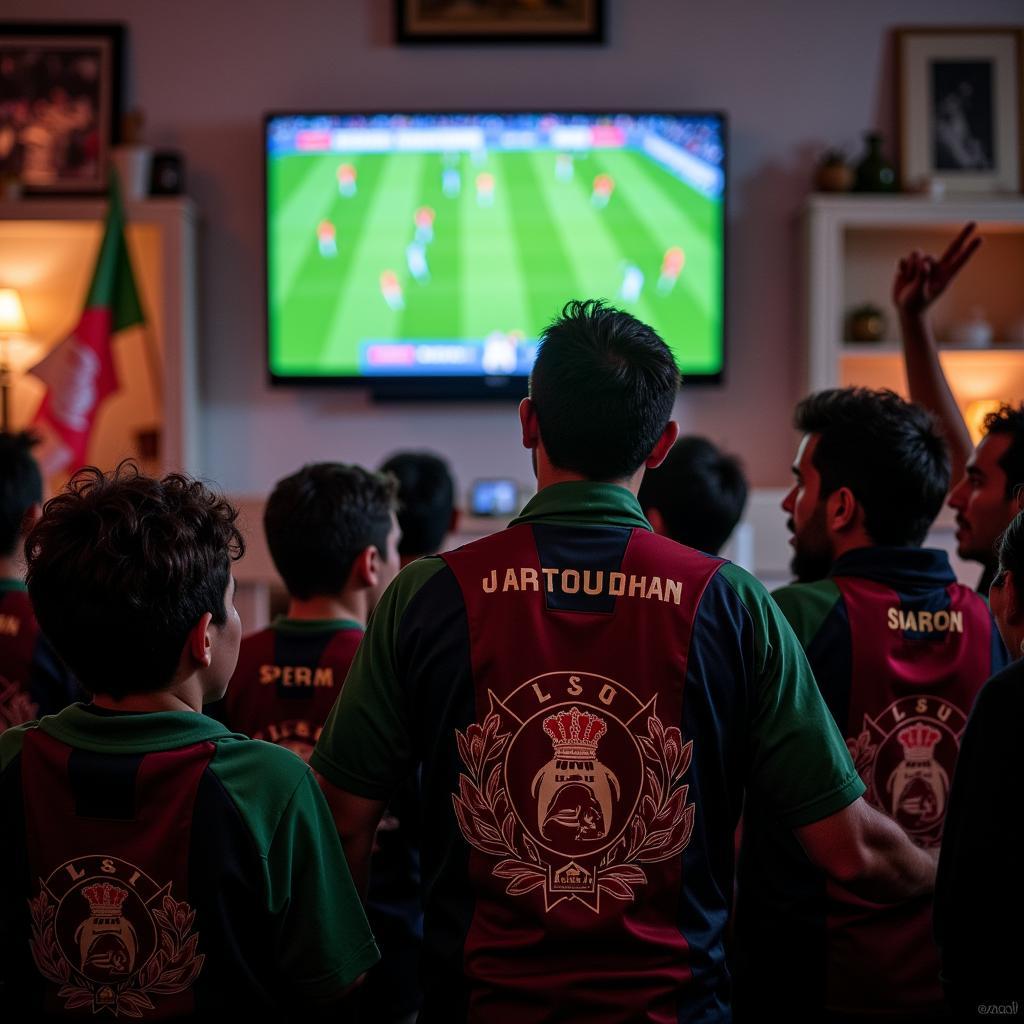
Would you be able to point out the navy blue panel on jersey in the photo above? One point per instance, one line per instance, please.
(831, 657)
(103, 785)
(434, 647)
(299, 649)
(596, 549)
(714, 709)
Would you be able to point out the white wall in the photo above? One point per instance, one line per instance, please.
(794, 76)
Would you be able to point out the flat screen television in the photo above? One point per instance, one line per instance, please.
(423, 254)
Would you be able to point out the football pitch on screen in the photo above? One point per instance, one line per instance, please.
(410, 247)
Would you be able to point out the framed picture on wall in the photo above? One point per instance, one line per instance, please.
(59, 104)
(961, 107)
(500, 21)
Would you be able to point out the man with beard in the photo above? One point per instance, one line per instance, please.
(587, 703)
(899, 650)
(988, 478)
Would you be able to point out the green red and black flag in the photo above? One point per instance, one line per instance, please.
(80, 373)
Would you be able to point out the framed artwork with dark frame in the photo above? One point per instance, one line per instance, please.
(499, 21)
(60, 104)
(961, 107)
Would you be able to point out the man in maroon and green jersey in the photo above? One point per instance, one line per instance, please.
(333, 536)
(33, 681)
(152, 864)
(899, 650)
(588, 702)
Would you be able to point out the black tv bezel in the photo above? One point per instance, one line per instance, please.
(428, 388)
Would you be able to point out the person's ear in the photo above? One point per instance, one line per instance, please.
(842, 510)
(1014, 611)
(657, 520)
(31, 517)
(200, 641)
(663, 445)
(453, 523)
(528, 421)
(366, 568)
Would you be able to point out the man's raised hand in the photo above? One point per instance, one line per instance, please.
(921, 279)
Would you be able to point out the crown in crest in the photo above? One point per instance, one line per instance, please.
(919, 741)
(105, 899)
(575, 733)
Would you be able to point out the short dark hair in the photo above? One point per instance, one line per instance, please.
(889, 452)
(603, 386)
(1011, 549)
(426, 494)
(1009, 419)
(21, 487)
(319, 519)
(699, 491)
(126, 552)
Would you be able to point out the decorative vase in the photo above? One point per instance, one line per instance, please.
(874, 173)
(834, 174)
(866, 324)
(974, 332)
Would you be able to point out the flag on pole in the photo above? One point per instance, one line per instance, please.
(79, 373)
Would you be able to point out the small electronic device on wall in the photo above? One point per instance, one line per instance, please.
(423, 254)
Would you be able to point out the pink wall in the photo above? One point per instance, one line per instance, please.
(794, 77)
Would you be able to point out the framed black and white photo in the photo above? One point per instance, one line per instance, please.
(960, 108)
(59, 104)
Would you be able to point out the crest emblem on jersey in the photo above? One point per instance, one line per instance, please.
(571, 784)
(906, 757)
(111, 938)
(16, 707)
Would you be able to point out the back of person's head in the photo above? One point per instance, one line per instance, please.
(1011, 548)
(320, 519)
(122, 566)
(889, 452)
(1008, 421)
(699, 491)
(603, 386)
(426, 495)
(21, 487)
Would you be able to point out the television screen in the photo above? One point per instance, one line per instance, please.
(434, 248)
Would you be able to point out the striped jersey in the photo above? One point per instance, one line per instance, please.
(156, 866)
(900, 651)
(587, 702)
(33, 681)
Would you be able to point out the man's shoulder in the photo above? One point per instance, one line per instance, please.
(806, 606)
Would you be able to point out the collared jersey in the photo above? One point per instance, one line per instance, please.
(156, 866)
(33, 681)
(287, 680)
(588, 702)
(899, 650)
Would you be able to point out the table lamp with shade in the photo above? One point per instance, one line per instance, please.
(14, 343)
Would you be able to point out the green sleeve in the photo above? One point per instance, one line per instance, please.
(799, 764)
(323, 941)
(366, 745)
(11, 741)
(807, 606)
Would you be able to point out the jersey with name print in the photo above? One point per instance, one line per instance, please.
(287, 680)
(588, 702)
(900, 651)
(33, 681)
(155, 867)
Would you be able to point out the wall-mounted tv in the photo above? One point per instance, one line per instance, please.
(423, 254)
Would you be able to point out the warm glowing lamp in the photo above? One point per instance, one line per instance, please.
(12, 325)
(975, 413)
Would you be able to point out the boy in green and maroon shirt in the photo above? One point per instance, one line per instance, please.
(33, 681)
(153, 864)
(333, 535)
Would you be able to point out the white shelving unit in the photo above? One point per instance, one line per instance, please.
(852, 244)
(47, 250)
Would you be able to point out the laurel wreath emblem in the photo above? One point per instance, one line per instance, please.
(171, 969)
(660, 829)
